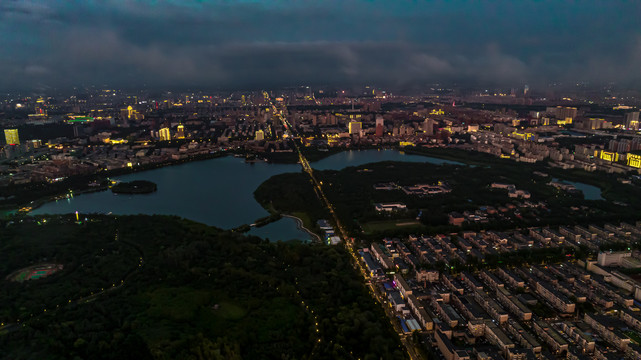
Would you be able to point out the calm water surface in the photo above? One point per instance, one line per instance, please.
(590, 192)
(217, 192)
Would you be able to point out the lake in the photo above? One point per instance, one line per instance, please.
(590, 192)
(217, 192)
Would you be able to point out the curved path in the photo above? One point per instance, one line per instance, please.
(301, 226)
(10, 327)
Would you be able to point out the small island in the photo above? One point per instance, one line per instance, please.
(134, 187)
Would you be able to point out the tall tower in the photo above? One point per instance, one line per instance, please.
(380, 125)
(11, 136)
(180, 132)
(355, 127)
(632, 120)
(428, 127)
(260, 135)
(164, 134)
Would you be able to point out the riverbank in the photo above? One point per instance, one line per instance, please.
(301, 226)
(451, 154)
(34, 195)
(314, 154)
(10, 210)
(203, 191)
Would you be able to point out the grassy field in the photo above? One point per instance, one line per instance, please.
(377, 226)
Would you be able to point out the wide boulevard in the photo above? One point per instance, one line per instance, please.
(413, 353)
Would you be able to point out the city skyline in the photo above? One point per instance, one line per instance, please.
(254, 44)
(297, 179)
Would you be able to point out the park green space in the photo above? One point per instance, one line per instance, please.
(159, 287)
(391, 225)
(351, 191)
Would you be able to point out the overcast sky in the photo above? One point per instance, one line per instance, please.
(242, 43)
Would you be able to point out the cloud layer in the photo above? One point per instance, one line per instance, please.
(242, 44)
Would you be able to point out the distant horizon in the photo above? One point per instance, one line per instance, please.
(271, 44)
(351, 89)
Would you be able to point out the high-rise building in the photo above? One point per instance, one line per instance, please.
(428, 126)
(355, 127)
(632, 120)
(260, 135)
(164, 134)
(594, 123)
(563, 113)
(180, 132)
(11, 136)
(620, 146)
(406, 130)
(380, 125)
(34, 144)
(634, 160)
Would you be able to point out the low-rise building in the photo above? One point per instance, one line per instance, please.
(389, 207)
(554, 297)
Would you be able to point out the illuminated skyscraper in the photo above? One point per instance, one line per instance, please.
(180, 132)
(564, 113)
(634, 160)
(11, 136)
(164, 134)
(260, 135)
(355, 127)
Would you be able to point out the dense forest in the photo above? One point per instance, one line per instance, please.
(154, 287)
(353, 195)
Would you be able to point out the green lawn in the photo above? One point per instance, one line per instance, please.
(376, 226)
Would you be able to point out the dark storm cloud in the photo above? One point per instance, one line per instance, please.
(272, 43)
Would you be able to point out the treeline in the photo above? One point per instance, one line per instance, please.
(515, 258)
(189, 292)
(290, 193)
(612, 189)
(352, 192)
